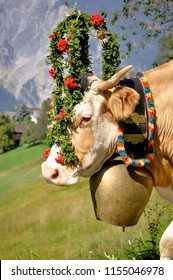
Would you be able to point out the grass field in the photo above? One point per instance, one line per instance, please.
(42, 221)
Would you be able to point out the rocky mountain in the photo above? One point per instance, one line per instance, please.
(24, 27)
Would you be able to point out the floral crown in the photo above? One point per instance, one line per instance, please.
(69, 57)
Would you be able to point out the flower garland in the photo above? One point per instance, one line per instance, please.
(120, 148)
(69, 57)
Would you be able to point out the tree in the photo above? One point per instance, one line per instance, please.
(146, 19)
(35, 132)
(6, 130)
(42, 120)
(23, 113)
(29, 133)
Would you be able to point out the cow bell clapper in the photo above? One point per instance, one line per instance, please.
(120, 193)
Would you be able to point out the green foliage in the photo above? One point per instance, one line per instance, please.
(23, 113)
(29, 133)
(6, 130)
(42, 120)
(146, 247)
(155, 16)
(145, 19)
(110, 57)
(33, 132)
(70, 61)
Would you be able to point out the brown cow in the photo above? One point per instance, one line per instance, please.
(95, 136)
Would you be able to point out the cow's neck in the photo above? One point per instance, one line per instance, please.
(161, 83)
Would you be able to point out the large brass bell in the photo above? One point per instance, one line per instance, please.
(120, 193)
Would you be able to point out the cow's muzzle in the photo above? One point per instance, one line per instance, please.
(50, 174)
(59, 175)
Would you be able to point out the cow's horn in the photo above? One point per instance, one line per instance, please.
(104, 85)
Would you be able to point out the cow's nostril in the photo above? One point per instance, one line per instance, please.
(55, 175)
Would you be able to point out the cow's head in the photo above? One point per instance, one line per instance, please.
(95, 125)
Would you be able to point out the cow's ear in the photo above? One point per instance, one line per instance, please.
(122, 102)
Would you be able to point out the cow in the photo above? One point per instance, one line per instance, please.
(96, 120)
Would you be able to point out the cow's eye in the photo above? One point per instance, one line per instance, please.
(85, 119)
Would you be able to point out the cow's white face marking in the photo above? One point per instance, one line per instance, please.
(56, 173)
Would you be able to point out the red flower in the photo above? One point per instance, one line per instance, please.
(69, 37)
(46, 153)
(70, 83)
(62, 45)
(51, 36)
(60, 159)
(62, 114)
(97, 19)
(52, 73)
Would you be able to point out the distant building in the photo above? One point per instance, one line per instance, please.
(17, 134)
(19, 128)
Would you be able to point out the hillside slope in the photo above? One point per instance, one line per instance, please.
(42, 221)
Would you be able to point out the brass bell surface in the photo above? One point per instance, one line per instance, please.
(120, 193)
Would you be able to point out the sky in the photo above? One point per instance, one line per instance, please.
(141, 59)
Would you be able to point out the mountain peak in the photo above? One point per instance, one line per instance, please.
(25, 27)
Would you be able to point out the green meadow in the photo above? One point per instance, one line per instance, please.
(42, 221)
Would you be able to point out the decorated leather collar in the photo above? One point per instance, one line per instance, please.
(135, 135)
